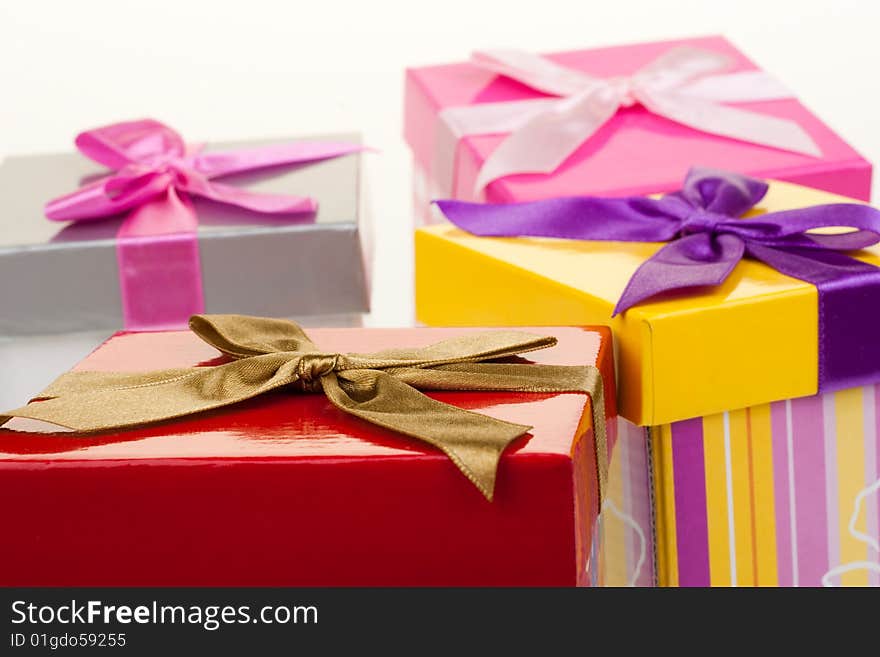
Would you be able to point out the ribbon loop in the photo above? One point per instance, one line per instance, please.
(722, 192)
(679, 66)
(381, 388)
(534, 71)
(240, 336)
(145, 141)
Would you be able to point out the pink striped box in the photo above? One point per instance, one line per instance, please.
(780, 494)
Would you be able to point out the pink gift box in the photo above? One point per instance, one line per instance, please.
(635, 152)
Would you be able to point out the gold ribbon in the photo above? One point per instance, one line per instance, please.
(380, 388)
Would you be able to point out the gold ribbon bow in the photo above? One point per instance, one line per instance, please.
(380, 388)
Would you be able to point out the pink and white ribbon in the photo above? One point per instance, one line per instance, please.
(683, 85)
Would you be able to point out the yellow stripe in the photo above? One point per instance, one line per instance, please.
(741, 462)
(763, 496)
(849, 411)
(716, 499)
(664, 504)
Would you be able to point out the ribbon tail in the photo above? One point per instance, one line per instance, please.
(253, 201)
(852, 241)
(732, 122)
(524, 378)
(77, 383)
(634, 219)
(786, 224)
(815, 266)
(516, 377)
(72, 384)
(216, 164)
(109, 195)
(472, 441)
(101, 401)
(691, 261)
(544, 142)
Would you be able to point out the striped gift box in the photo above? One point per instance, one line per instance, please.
(780, 494)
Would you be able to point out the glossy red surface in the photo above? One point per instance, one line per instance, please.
(287, 490)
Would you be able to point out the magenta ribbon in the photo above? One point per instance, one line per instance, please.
(707, 240)
(154, 175)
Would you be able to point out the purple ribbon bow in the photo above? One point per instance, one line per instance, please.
(707, 240)
(153, 175)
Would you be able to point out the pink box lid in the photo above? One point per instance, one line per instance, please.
(636, 152)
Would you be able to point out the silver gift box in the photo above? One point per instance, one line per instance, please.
(57, 277)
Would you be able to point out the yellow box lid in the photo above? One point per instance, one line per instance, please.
(751, 340)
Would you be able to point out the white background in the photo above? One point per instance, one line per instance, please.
(259, 68)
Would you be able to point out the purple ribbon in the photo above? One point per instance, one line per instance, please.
(707, 240)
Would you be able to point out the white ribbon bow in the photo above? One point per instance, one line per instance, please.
(546, 131)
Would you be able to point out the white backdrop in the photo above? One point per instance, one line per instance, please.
(220, 70)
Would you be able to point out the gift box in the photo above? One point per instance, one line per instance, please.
(754, 397)
(287, 489)
(260, 220)
(475, 131)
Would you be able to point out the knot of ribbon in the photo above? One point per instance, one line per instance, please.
(622, 88)
(381, 388)
(683, 85)
(707, 239)
(313, 367)
(700, 221)
(149, 162)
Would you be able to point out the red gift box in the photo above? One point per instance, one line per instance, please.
(285, 489)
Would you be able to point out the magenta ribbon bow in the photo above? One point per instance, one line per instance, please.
(153, 176)
(707, 241)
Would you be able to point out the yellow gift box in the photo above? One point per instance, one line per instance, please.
(744, 475)
(750, 340)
